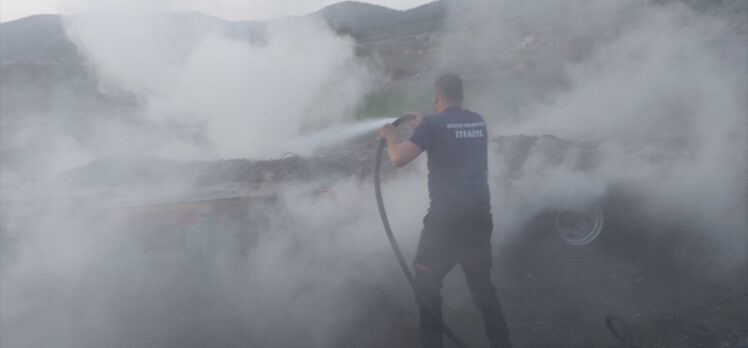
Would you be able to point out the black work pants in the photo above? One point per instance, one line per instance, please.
(447, 239)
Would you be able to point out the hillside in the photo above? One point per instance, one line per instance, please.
(42, 39)
(35, 39)
(371, 22)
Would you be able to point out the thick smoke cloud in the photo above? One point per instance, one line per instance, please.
(311, 268)
(250, 99)
(102, 280)
(180, 85)
(667, 102)
(657, 91)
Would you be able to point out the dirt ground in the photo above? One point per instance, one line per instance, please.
(563, 303)
(558, 296)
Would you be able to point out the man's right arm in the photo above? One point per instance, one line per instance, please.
(400, 153)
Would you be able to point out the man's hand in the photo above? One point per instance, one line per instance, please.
(416, 119)
(388, 133)
(399, 154)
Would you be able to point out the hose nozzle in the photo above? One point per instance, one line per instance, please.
(403, 118)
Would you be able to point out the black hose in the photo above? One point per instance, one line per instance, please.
(393, 243)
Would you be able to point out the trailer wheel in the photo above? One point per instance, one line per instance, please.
(579, 226)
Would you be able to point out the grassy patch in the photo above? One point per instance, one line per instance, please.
(397, 97)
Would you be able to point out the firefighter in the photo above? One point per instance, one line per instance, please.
(458, 225)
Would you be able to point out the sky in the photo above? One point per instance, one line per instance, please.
(226, 9)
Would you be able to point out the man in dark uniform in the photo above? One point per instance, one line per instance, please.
(458, 225)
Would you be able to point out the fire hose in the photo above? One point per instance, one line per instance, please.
(396, 248)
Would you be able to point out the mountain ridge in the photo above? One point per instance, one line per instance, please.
(42, 38)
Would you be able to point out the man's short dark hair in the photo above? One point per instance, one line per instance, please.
(450, 87)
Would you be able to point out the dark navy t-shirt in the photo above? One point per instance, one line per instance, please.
(456, 142)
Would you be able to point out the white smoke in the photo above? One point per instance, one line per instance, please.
(657, 90)
(249, 96)
(204, 93)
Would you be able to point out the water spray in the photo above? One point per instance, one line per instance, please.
(311, 143)
(393, 243)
